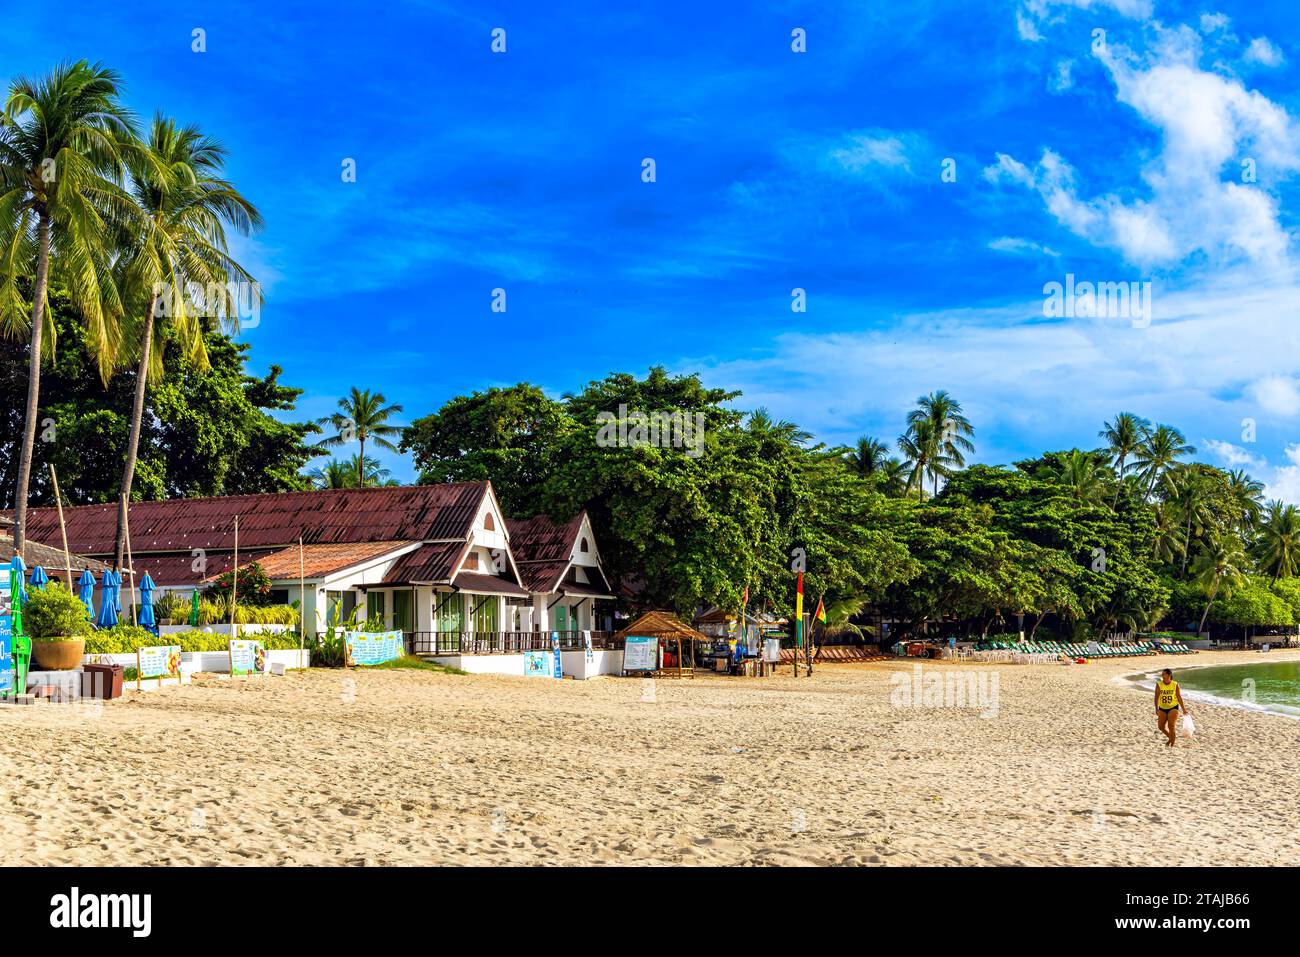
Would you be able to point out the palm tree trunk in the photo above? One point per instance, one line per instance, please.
(1205, 614)
(133, 443)
(361, 466)
(33, 384)
(1119, 481)
(1187, 540)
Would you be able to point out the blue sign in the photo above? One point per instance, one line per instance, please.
(368, 648)
(555, 653)
(538, 664)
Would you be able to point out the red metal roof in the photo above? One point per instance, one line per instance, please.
(271, 521)
(429, 564)
(317, 561)
(488, 585)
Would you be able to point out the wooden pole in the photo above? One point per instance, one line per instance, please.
(58, 498)
(234, 585)
(302, 602)
(130, 567)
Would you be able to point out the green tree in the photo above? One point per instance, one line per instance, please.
(60, 160)
(1278, 546)
(946, 431)
(1219, 569)
(509, 436)
(1158, 452)
(177, 245)
(868, 457)
(363, 416)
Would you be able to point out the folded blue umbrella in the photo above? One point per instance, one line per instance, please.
(39, 578)
(86, 591)
(20, 567)
(109, 603)
(147, 618)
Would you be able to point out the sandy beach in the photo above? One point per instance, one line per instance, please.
(411, 767)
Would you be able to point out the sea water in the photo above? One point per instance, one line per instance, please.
(1271, 686)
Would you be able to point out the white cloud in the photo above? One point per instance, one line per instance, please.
(1207, 124)
(865, 151)
(1063, 78)
(1263, 52)
(1214, 22)
(1231, 456)
(1276, 394)
(1020, 246)
(1285, 480)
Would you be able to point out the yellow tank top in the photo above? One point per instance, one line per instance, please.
(1168, 694)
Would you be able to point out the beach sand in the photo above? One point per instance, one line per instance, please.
(411, 767)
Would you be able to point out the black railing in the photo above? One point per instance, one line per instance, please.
(500, 642)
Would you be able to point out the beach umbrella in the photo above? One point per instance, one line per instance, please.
(146, 604)
(109, 605)
(39, 578)
(20, 567)
(86, 591)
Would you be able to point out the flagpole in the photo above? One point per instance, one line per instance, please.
(234, 585)
(58, 498)
(302, 603)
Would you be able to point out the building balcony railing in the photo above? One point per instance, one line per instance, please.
(500, 642)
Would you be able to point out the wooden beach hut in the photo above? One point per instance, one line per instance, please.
(666, 626)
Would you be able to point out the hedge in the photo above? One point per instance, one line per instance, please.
(125, 639)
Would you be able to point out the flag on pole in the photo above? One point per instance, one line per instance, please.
(798, 613)
(821, 612)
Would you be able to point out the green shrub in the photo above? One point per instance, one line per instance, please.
(53, 613)
(122, 639)
(252, 588)
(266, 615)
(172, 608)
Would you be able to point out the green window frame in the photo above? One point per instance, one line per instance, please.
(403, 620)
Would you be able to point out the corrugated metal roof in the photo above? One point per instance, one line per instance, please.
(320, 560)
(178, 569)
(488, 585)
(542, 539)
(328, 516)
(432, 563)
(51, 559)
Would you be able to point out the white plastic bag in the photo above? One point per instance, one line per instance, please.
(1189, 726)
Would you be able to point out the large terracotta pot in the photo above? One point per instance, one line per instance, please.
(58, 655)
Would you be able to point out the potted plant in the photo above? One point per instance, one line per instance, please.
(57, 623)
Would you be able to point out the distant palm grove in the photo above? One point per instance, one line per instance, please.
(112, 372)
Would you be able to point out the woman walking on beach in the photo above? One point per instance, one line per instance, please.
(1169, 699)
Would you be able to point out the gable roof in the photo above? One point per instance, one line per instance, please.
(661, 624)
(273, 520)
(543, 549)
(317, 561)
(430, 564)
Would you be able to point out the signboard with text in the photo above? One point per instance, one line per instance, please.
(373, 648)
(159, 661)
(640, 654)
(247, 658)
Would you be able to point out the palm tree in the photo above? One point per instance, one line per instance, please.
(868, 457)
(1123, 437)
(951, 432)
(838, 613)
(1219, 569)
(1157, 453)
(1167, 542)
(893, 476)
(342, 473)
(61, 147)
(180, 245)
(919, 444)
(1189, 491)
(1247, 494)
(1081, 472)
(761, 424)
(361, 416)
(1279, 540)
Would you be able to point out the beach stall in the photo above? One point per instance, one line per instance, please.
(669, 641)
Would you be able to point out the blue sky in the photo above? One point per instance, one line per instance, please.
(1114, 157)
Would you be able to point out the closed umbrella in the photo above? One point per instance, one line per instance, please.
(20, 567)
(39, 578)
(86, 591)
(146, 604)
(108, 599)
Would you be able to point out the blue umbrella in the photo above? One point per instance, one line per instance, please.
(109, 603)
(146, 604)
(20, 567)
(86, 591)
(39, 578)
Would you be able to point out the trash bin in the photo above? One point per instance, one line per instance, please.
(101, 681)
